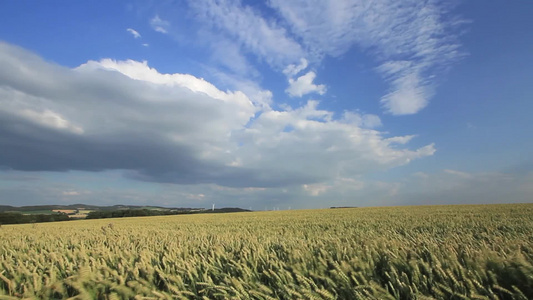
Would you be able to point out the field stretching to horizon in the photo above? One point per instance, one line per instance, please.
(425, 252)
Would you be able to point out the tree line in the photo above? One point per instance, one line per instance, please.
(18, 218)
(104, 214)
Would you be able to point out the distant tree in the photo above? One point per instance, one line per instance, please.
(18, 218)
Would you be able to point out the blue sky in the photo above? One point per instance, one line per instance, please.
(300, 104)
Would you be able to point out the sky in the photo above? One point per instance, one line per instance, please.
(266, 104)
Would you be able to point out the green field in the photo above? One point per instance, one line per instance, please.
(38, 212)
(430, 252)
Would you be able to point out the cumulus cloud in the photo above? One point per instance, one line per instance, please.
(308, 143)
(176, 128)
(46, 118)
(134, 33)
(304, 85)
(159, 24)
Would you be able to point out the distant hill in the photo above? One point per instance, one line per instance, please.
(51, 208)
(6, 208)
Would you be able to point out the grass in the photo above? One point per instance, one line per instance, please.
(433, 252)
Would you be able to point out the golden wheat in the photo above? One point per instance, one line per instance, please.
(439, 252)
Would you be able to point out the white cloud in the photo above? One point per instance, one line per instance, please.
(134, 33)
(402, 140)
(316, 189)
(371, 121)
(177, 128)
(304, 85)
(364, 120)
(228, 55)
(263, 37)
(408, 95)
(411, 40)
(293, 70)
(49, 118)
(71, 193)
(260, 97)
(141, 71)
(309, 142)
(159, 24)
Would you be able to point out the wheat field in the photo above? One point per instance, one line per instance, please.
(426, 252)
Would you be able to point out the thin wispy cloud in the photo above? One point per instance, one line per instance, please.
(369, 121)
(411, 40)
(294, 69)
(263, 37)
(134, 33)
(412, 43)
(159, 24)
(261, 97)
(229, 56)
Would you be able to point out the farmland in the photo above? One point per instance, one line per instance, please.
(51, 213)
(427, 252)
